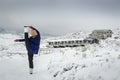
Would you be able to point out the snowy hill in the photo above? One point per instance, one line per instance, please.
(92, 62)
(75, 35)
(8, 46)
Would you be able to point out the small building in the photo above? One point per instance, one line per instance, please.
(101, 34)
(71, 42)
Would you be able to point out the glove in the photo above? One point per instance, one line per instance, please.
(16, 40)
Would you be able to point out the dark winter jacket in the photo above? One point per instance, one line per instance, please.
(33, 43)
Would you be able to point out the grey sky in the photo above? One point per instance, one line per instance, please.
(59, 16)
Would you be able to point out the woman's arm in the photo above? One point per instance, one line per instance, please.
(19, 40)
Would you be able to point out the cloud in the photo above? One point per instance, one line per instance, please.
(59, 16)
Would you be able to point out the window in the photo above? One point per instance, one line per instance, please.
(89, 41)
(77, 41)
(85, 41)
(55, 42)
(80, 41)
(50, 43)
(72, 41)
(58, 42)
(62, 42)
(69, 42)
(65, 41)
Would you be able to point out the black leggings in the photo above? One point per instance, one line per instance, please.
(30, 54)
(30, 59)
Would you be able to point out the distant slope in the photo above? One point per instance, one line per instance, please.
(2, 30)
(92, 62)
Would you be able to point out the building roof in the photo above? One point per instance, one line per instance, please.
(103, 30)
(65, 40)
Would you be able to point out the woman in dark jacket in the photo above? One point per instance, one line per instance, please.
(32, 43)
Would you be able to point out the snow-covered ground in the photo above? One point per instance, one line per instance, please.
(16, 68)
(92, 62)
(14, 61)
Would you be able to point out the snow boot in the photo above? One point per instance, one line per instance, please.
(31, 71)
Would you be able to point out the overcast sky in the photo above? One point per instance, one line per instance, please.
(60, 16)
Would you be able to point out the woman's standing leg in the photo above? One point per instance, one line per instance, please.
(30, 59)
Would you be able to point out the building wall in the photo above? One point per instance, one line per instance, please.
(101, 34)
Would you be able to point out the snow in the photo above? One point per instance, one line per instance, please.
(14, 61)
(91, 62)
(16, 68)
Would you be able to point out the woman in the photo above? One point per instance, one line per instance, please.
(32, 43)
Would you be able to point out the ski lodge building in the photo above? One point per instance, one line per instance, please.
(101, 34)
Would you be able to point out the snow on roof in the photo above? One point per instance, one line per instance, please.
(102, 30)
(64, 40)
